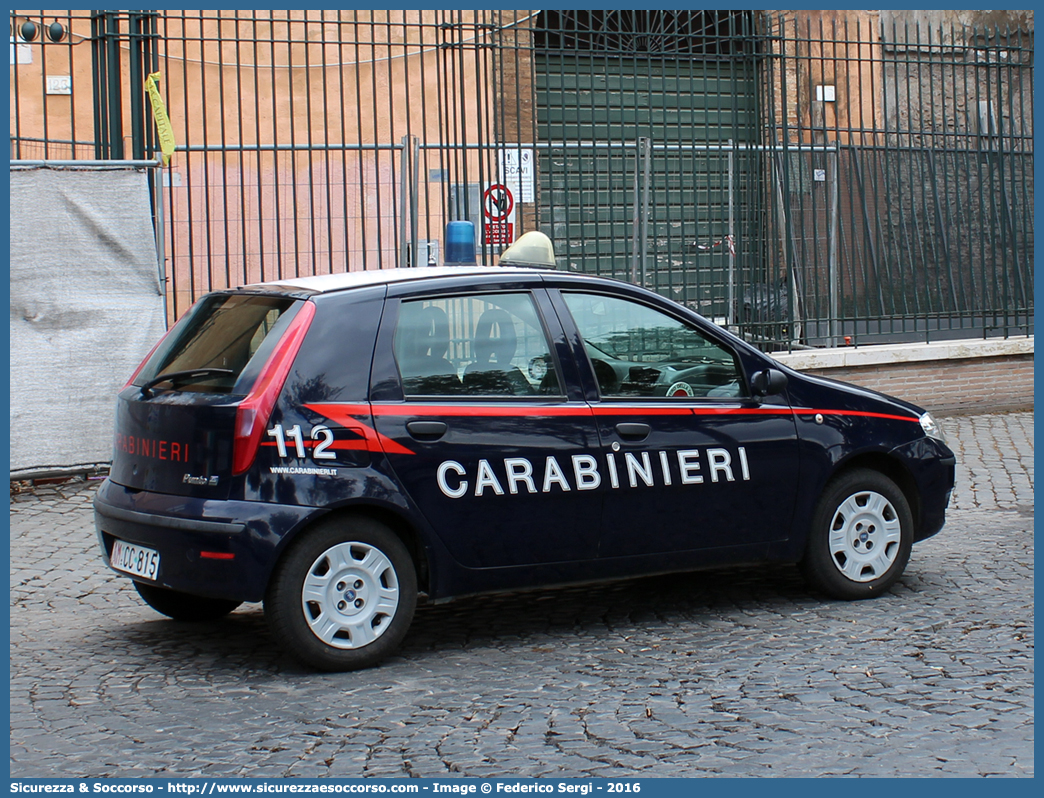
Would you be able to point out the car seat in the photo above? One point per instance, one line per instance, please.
(421, 344)
(493, 347)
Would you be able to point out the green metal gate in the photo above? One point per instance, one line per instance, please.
(643, 171)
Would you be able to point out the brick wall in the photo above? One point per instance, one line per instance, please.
(949, 386)
(954, 377)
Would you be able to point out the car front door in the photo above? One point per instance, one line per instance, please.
(691, 460)
(486, 428)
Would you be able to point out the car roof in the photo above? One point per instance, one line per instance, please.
(325, 283)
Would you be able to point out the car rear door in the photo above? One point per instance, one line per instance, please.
(692, 461)
(476, 398)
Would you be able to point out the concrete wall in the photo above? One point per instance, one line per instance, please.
(948, 377)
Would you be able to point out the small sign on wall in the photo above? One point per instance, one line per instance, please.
(516, 165)
(826, 93)
(498, 208)
(20, 53)
(59, 84)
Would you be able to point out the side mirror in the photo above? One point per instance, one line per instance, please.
(768, 382)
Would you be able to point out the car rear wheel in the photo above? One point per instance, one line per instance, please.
(861, 536)
(343, 595)
(182, 606)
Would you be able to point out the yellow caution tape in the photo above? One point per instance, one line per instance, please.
(159, 114)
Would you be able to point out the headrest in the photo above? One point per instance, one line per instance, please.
(425, 331)
(495, 337)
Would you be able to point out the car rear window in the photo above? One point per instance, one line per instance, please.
(223, 333)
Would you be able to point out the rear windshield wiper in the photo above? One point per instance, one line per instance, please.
(180, 376)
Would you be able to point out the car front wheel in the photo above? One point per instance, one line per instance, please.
(861, 536)
(343, 595)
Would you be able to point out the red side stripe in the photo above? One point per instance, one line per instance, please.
(346, 413)
(336, 445)
(649, 410)
(806, 411)
(484, 411)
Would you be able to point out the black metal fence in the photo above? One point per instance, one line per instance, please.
(804, 179)
(913, 220)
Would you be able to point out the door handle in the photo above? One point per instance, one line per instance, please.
(633, 431)
(426, 430)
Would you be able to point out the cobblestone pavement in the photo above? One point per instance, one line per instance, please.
(732, 673)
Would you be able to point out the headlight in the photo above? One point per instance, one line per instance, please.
(931, 428)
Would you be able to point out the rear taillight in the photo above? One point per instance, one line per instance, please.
(253, 412)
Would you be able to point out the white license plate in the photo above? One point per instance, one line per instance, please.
(135, 560)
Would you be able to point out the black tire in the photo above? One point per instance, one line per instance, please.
(182, 606)
(861, 536)
(363, 589)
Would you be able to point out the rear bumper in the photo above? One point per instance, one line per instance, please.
(220, 549)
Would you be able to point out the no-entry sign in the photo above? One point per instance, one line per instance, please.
(498, 205)
(497, 202)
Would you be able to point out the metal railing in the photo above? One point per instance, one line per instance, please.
(808, 179)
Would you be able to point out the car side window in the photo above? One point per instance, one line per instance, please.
(638, 351)
(476, 345)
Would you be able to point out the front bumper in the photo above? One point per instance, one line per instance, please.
(933, 466)
(243, 539)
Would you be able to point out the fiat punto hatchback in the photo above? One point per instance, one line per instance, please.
(339, 446)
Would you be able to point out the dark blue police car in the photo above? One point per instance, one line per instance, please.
(338, 445)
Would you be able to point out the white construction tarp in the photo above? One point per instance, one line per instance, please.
(86, 306)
